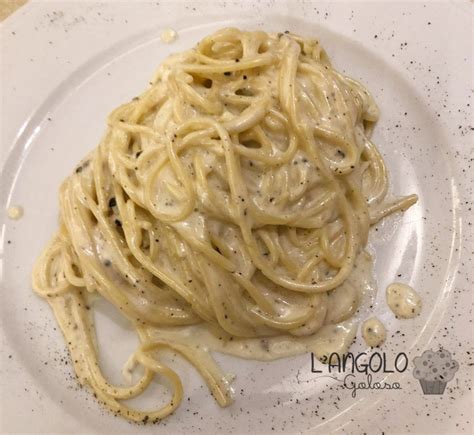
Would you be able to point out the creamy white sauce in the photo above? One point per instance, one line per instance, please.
(193, 226)
(403, 300)
(168, 36)
(15, 212)
(374, 332)
(329, 339)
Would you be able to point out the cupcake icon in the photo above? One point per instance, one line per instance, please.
(434, 370)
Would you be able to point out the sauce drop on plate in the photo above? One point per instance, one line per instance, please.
(15, 212)
(403, 300)
(374, 332)
(168, 36)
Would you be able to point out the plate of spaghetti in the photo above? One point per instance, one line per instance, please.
(222, 223)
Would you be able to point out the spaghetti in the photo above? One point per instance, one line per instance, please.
(226, 208)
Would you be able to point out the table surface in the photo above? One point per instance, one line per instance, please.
(7, 7)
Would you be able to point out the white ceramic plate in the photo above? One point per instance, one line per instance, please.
(65, 66)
